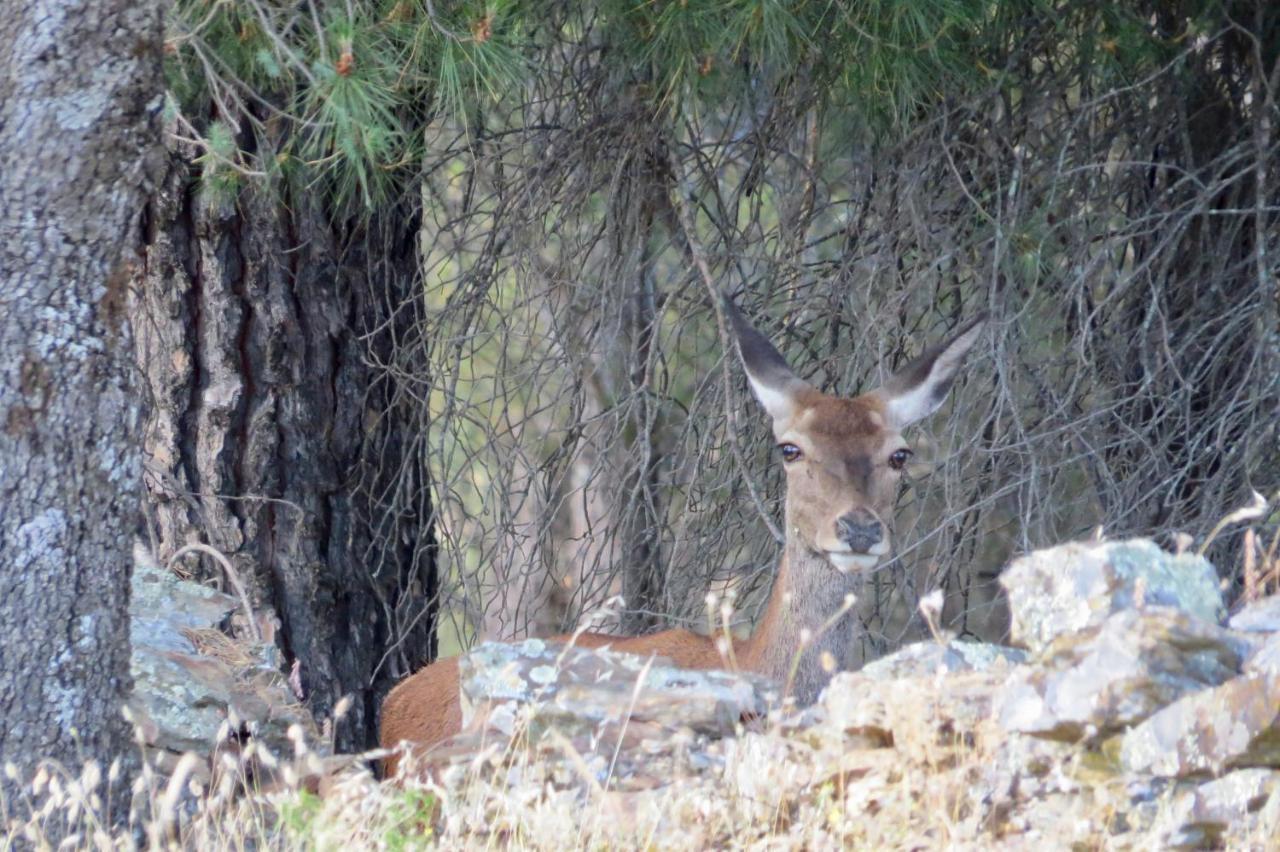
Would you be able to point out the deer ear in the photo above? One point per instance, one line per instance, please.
(772, 381)
(919, 388)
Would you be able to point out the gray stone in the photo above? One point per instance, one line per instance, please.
(577, 690)
(1201, 817)
(1265, 659)
(904, 712)
(928, 658)
(182, 696)
(600, 716)
(1267, 824)
(1233, 725)
(1101, 679)
(1023, 768)
(179, 699)
(1073, 586)
(1261, 616)
(162, 604)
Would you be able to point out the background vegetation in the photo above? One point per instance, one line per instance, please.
(862, 176)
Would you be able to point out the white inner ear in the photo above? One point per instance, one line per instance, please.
(922, 400)
(915, 404)
(777, 403)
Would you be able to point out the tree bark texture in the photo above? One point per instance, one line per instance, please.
(281, 432)
(79, 96)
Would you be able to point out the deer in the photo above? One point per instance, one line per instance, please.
(843, 459)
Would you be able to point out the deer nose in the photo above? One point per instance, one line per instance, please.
(860, 529)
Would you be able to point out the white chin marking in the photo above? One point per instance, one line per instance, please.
(846, 562)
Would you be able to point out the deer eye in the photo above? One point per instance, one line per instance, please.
(790, 452)
(898, 460)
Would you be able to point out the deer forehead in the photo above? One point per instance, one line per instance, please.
(841, 427)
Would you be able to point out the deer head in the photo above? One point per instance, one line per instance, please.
(844, 457)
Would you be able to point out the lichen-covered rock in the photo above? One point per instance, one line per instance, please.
(182, 696)
(1233, 725)
(932, 689)
(1024, 768)
(1073, 586)
(905, 712)
(575, 689)
(1101, 679)
(177, 695)
(1267, 823)
(939, 744)
(1265, 659)
(1203, 816)
(1260, 616)
(1063, 821)
(598, 716)
(929, 658)
(162, 604)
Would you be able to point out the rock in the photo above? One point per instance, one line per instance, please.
(1101, 679)
(182, 696)
(1268, 821)
(1265, 659)
(908, 712)
(1261, 616)
(1203, 816)
(162, 605)
(765, 770)
(1073, 586)
(579, 690)
(1065, 821)
(184, 693)
(928, 658)
(1233, 725)
(1024, 768)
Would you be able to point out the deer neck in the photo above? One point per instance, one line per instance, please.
(807, 593)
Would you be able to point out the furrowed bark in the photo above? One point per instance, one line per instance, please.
(281, 433)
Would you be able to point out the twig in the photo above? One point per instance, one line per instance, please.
(232, 576)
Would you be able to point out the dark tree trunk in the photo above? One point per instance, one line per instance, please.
(644, 585)
(280, 433)
(77, 131)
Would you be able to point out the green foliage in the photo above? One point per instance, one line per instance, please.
(360, 83)
(404, 822)
(409, 820)
(470, 71)
(896, 58)
(351, 110)
(298, 815)
(350, 89)
(219, 164)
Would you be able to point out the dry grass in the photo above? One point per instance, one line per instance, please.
(767, 795)
(936, 784)
(781, 788)
(214, 643)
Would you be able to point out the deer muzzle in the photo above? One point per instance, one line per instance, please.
(862, 532)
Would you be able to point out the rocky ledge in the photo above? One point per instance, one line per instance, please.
(1132, 713)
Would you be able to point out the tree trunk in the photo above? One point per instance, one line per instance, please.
(77, 132)
(282, 434)
(644, 584)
